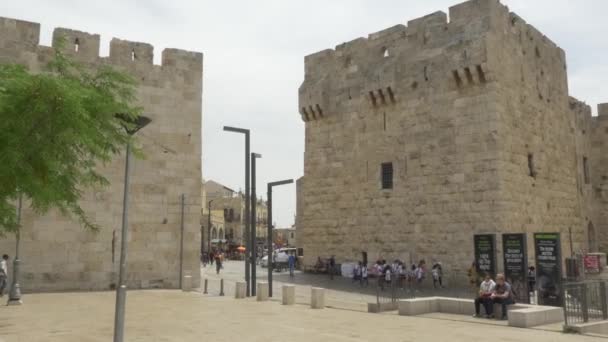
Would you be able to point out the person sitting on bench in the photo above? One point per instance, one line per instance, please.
(486, 289)
(502, 294)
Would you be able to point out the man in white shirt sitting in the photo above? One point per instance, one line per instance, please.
(486, 289)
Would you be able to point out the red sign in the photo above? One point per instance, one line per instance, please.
(592, 263)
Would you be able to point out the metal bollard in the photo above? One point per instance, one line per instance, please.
(206, 283)
(222, 287)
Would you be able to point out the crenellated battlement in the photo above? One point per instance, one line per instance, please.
(393, 64)
(471, 16)
(85, 47)
(458, 51)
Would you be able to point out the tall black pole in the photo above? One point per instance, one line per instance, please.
(248, 243)
(269, 239)
(121, 290)
(270, 250)
(209, 228)
(253, 224)
(254, 220)
(14, 296)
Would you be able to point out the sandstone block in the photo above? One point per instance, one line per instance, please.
(262, 291)
(289, 294)
(317, 298)
(240, 290)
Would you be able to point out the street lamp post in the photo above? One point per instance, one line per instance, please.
(247, 212)
(14, 295)
(209, 226)
(254, 217)
(121, 289)
(269, 237)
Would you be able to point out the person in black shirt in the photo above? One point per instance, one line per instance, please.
(502, 294)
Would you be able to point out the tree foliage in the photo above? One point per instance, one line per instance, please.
(55, 128)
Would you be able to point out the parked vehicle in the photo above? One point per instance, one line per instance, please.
(281, 257)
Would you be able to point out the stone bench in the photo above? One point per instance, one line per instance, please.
(535, 315)
(520, 315)
(497, 309)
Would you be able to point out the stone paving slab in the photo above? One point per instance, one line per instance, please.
(165, 315)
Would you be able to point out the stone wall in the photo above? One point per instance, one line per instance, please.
(57, 253)
(457, 107)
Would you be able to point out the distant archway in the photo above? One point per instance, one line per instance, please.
(591, 238)
(213, 233)
(221, 235)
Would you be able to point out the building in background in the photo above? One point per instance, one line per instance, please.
(231, 205)
(57, 253)
(420, 136)
(285, 237)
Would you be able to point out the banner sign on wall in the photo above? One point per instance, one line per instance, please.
(515, 253)
(592, 263)
(485, 253)
(548, 268)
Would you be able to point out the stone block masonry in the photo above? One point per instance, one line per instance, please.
(57, 254)
(420, 136)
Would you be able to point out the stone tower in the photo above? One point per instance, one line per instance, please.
(57, 254)
(419, 136)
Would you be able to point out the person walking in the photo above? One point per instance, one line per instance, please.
(420, 274)
(211, 257)
(3, 274)
(364, 275)
(357, 272)
(387, 275)
(436, 272)
(332, 267)
(218, 262)
(291, 260)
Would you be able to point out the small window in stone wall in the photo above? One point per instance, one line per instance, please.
(586, 170)
(300, 251)
(387, 175)
(531, 168)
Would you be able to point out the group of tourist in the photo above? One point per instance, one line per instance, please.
(490, 293)
(402, 275)
(360, 274)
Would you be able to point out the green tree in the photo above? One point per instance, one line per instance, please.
(55, 128)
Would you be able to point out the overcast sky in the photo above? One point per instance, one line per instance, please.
(254, 60)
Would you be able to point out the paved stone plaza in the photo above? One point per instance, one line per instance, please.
(169, 315)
